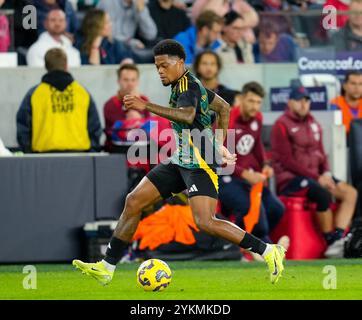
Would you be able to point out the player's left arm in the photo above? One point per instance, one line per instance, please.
(222, 108)
(181, 114)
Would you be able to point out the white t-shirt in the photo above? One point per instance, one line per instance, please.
(36, 53)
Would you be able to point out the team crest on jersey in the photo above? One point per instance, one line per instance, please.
(254, 125)
(226, 179)
(245, 144)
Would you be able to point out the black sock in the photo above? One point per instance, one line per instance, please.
(338, 233)
(115, 250)
(253, 244)
(329, 237)
(333, 235)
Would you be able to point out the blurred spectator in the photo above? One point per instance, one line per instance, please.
(4, 31)
(58, 114)
(234, 48)
(95, 40)
(169, 19)
(132, 24)
(128, 77)
(350, 101)
(273, 46)
(272, 11)
(207, 67)
(267, 5)
(302, 169)
(221, 7)
(203, 36)
(308, 24)
(53, 37)
(251, 165)
(44, 6)
(84, 5)
(349, 38)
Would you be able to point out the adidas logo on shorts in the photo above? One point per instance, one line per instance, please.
(193, 189)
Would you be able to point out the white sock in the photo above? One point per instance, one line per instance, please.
(109, 267)
(267, 249)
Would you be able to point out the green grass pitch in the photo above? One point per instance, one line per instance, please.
(192, 280)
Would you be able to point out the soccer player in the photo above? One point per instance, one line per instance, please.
(189, 109)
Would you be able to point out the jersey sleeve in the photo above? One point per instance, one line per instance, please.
(210, 95)
(189, 96)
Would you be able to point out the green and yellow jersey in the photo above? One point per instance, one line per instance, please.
(195, 143)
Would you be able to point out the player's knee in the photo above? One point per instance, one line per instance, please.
(205, 223)
(133, 205)
(322, 198)
(353, 193)
(350, 194)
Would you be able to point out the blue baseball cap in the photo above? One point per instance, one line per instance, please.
(299, 93)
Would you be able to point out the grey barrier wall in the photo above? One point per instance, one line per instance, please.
(101, 82)
(45, 201)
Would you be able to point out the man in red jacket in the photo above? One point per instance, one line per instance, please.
(128, 82)
(251, 165)
(302, 168)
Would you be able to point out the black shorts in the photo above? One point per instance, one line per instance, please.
(170, 179)
(300, 186)
(307, 187)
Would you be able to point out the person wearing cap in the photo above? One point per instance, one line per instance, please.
(302, 169)
(234, 48)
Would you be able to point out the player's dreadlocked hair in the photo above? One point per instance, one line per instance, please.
(169, 47)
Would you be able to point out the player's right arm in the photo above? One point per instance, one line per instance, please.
(183, 114)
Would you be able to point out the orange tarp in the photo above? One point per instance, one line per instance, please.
(252, 217)
(170, 223)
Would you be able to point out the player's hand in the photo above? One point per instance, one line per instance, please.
(134, 102)
(227, 157)
(268, 171)
(253, 177)
(327, 182)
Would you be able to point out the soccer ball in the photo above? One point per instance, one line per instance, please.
(153, 275)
